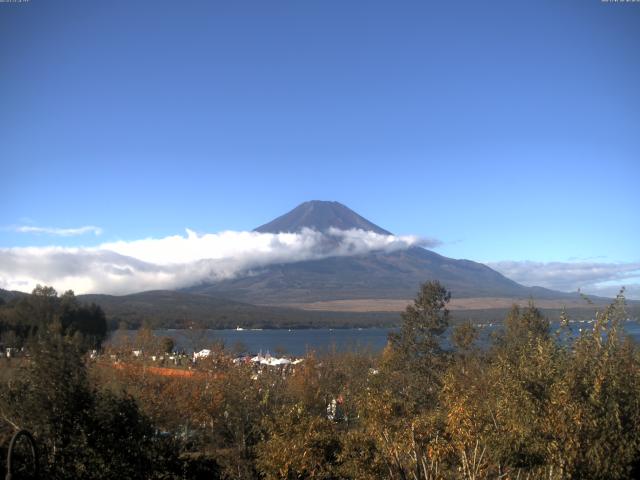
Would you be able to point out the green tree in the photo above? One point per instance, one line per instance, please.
(33, 315)
(83, 432)
(415, 351)
(167, 344)
(522, 324)
(89, 321)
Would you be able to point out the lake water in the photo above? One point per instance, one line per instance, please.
(299, 342)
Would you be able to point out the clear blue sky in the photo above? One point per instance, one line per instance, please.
(509, 130)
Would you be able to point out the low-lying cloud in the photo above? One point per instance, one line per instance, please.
(180, 261)
(600, 278)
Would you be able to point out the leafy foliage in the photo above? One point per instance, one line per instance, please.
(533, 404)
(83, 432)
(34, 315)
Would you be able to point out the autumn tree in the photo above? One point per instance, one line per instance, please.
(82, 431)
(596, 420)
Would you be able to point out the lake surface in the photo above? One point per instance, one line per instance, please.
(299, 342)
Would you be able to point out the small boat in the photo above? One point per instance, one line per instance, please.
(239, 328)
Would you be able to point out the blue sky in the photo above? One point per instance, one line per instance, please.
(508, 130)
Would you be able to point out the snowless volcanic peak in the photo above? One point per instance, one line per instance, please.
(374, 275)
(320, 215)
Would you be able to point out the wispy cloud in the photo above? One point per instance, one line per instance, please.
(180, 260)
(59, 232)
(594, 277)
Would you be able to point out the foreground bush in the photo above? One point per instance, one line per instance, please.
(82, 431)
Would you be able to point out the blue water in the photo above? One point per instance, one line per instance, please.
(300, 342)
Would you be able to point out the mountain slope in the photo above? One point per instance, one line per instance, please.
(171, 309)
(319, 215)
(380, 275)
(7, 295)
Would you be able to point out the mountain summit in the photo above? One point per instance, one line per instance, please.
(320, 215)
(376, 275)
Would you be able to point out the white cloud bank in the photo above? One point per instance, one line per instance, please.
(60, 232)
(599, 278)
(180, 261)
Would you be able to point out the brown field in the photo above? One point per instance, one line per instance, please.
(391, 305)
(160, 371)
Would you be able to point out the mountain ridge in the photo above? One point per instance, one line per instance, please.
(375, 275)
(325, 292)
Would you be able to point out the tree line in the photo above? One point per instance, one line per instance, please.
(44, 311)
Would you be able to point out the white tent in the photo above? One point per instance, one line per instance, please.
(269, 360)
(202, 354)
(276, 361)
